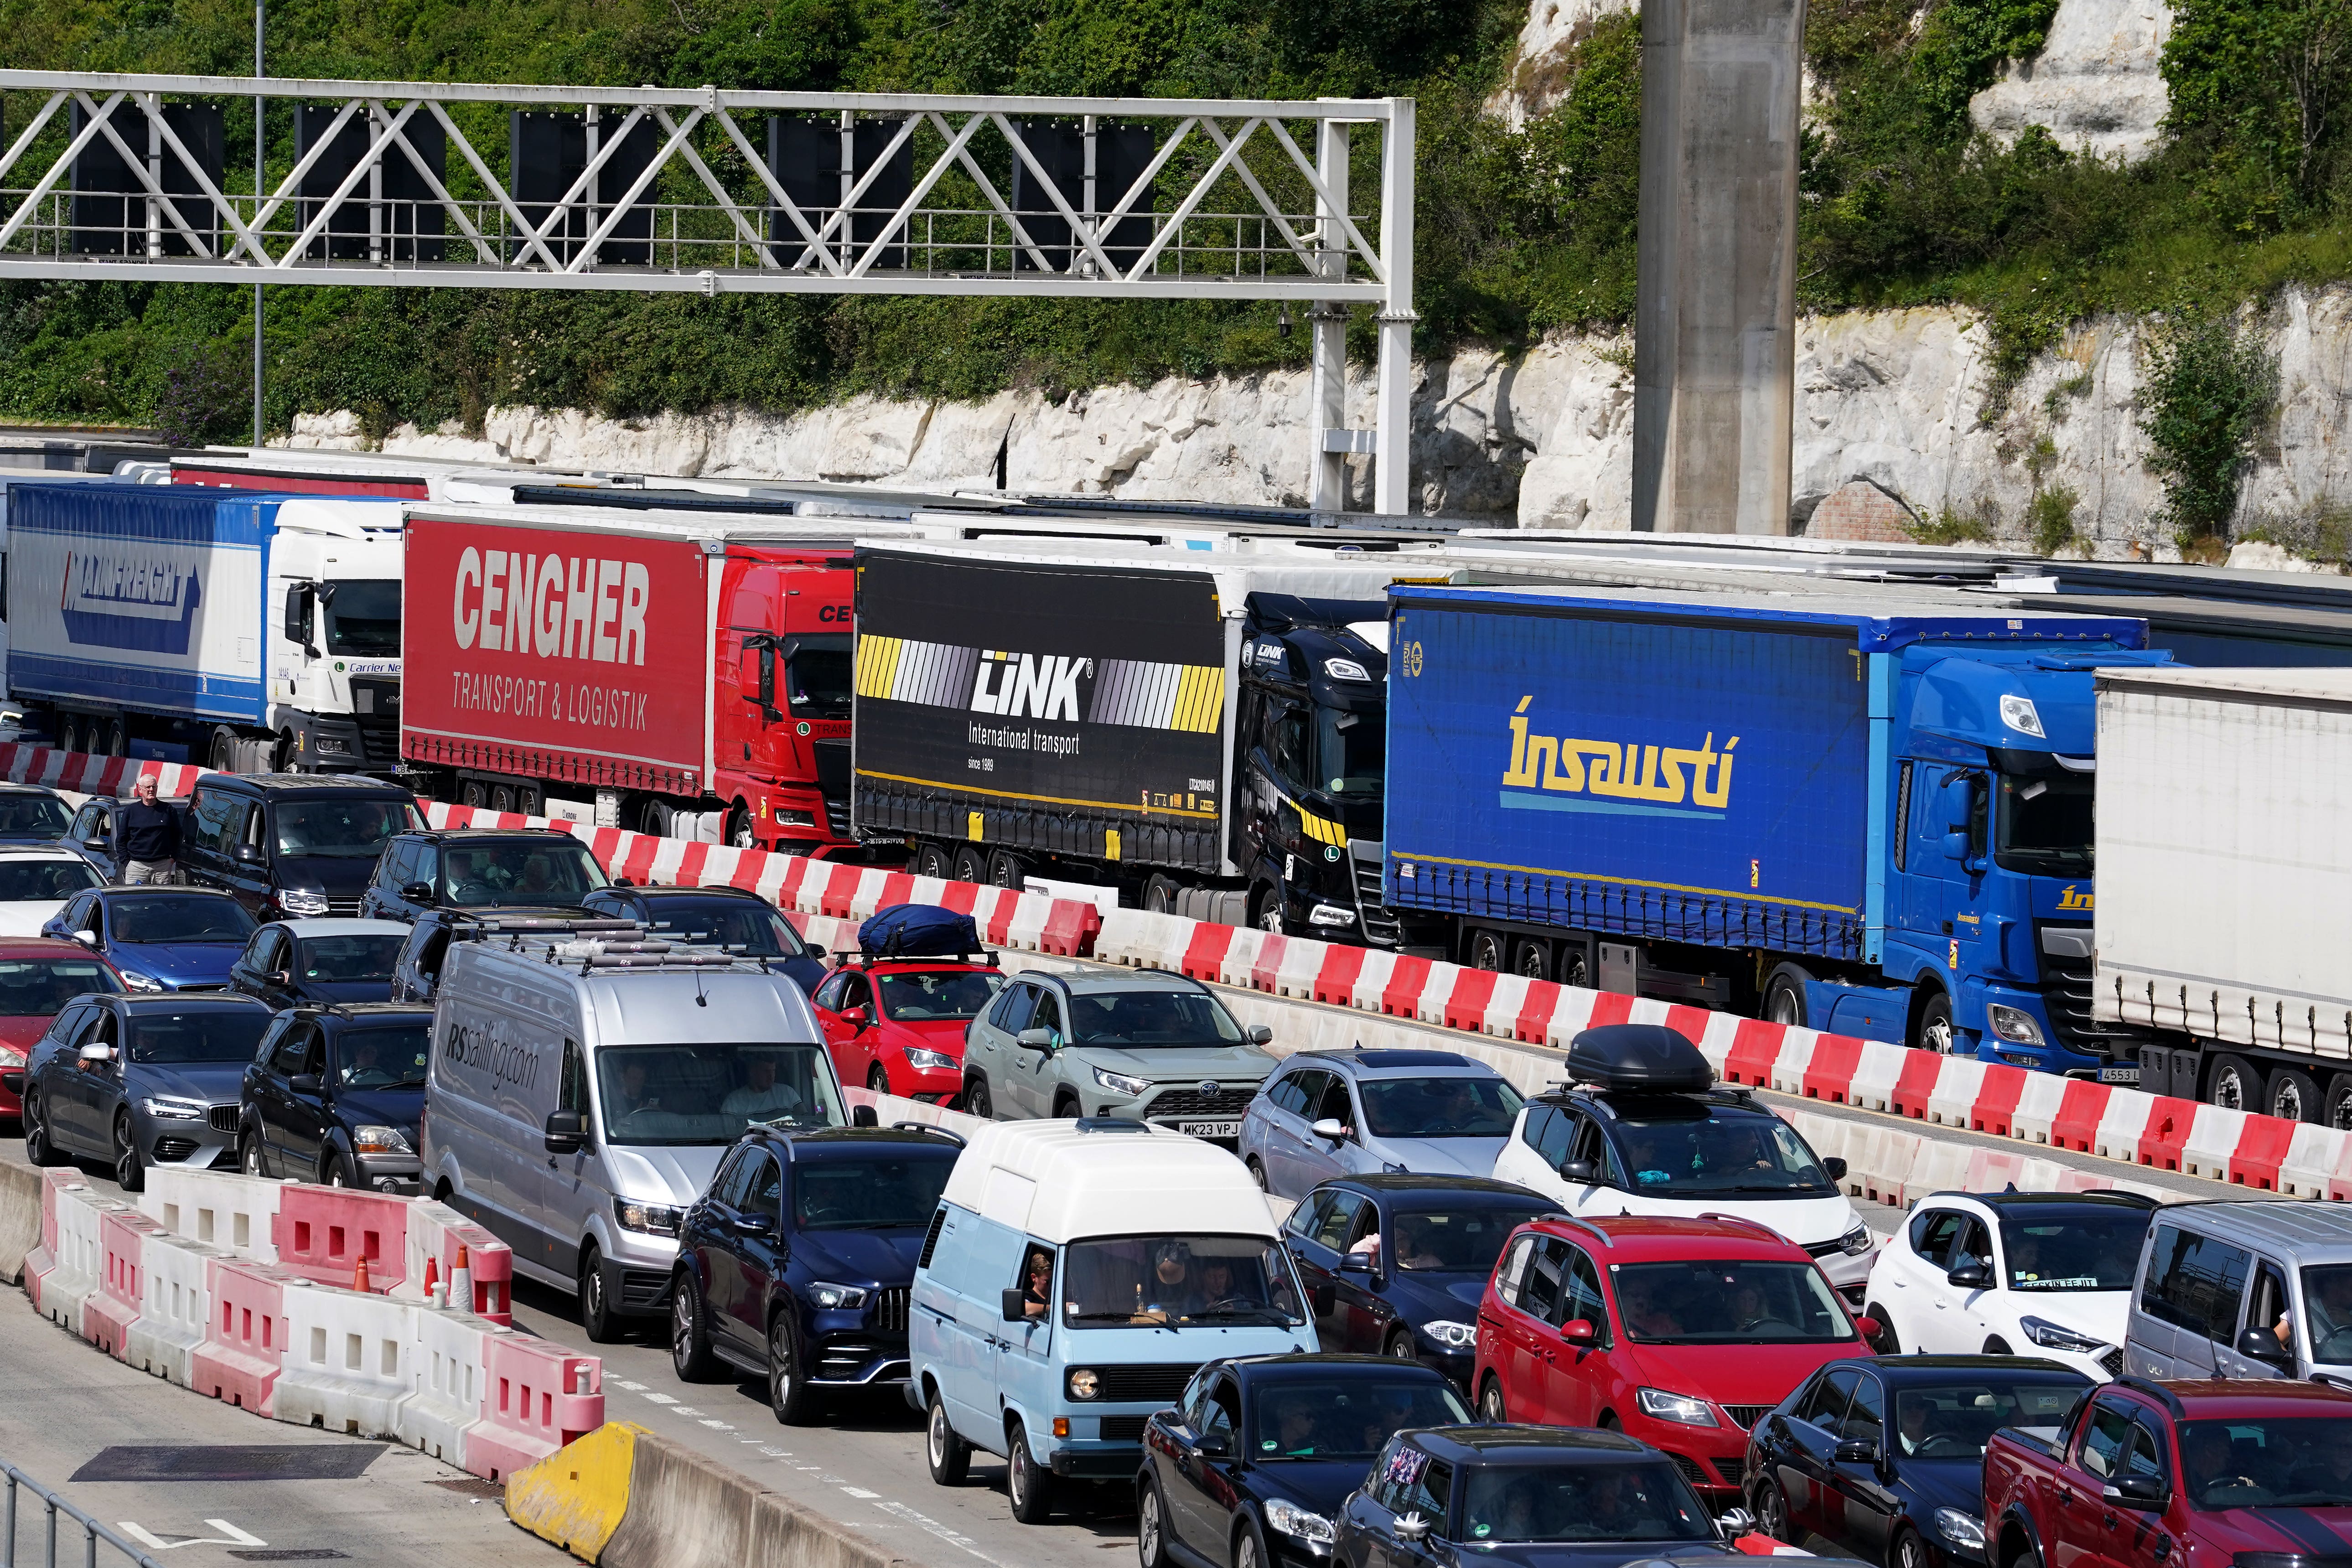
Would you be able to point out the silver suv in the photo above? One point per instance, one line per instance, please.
(2244, 1289)
(1156, 1046)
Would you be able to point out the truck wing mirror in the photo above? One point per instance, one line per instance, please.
(1956, 846)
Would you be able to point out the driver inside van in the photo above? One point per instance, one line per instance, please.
(762, 1096)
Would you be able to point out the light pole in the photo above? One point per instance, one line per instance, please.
(257, 177)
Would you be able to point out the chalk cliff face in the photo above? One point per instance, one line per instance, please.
(2097, 84)
(1901, 402)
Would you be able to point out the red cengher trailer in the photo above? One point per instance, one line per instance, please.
(659, 666)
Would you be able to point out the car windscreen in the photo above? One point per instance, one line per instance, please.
(710, 1093)
(1735, 1302)
(738, 925)
(341, 830)
(2265, 1462)
(1174, 1281)
(1344, 1417)
(44, 882)
(38, 987)
(895, 1193)
(362, 616)
(1617, 1500)
(387, 1056)
(937, 997)
(1952, 1420)
(1150, 1017)
(179, 917)
(533, 868)
(1692, 1149)
(1438, 1106)
(2328, 1311)
(33, 817)
(2072, 1250)
(1458, 1241)
(216, 1035)
(356, 959)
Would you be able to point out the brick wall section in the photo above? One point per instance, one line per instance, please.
(1860, 510)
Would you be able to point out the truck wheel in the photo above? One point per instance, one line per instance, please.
(931, 859)
(223, 751)
(1161, 893)
(284, 756)
(1784, 996)
(1007, 869)
(474, 793)
(2339, 1111)
(1931, 1026)
(117, 742)
(1265, 909)
(1486, 951)
(1576, 969)
(654, 819)
(1532, 959)
(2294, 1096)
(69, 729)
(970, 866)
(502, 797)
(2236, 1084)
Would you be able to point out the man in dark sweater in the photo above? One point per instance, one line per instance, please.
(150, 847)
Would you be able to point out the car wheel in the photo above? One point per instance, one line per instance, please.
(1066, 1106)
(1932, 1030)
(1886, 1343)
(1030, 1487)
(2028, 1556)
(949, 1456)
(789, 1393)
(1910, 1552)
(1249, 1546)
(596, 1314)
(129, 1173)
(339, 1171)
(977, 1101)
(249, 1154)
(1996, 1345)
(1401, 1345)
(1772, 1513)
(877, 1080)
(39, 1149)
(1151, 1527)
(1490, 1404)
(1257, 1173)
(689, 1339)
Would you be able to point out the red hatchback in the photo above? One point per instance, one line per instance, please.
(1680, 1333)
(39, 976)
(896, 1024)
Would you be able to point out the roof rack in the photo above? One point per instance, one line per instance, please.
(843, 957)
(1583, 1225)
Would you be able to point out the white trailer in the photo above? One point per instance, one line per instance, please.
(2224, 855)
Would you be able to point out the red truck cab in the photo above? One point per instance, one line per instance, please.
(2186, 1474)
(781, 731)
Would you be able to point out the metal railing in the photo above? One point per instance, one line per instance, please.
(93, 1532)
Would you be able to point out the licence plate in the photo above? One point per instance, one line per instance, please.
(2121, 1073)
(1211, 1129)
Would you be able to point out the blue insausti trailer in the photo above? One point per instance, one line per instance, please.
(1867, 817)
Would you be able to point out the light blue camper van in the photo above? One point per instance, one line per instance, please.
(1076, 1274)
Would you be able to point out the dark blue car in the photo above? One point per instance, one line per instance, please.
(1396, 1265)
(1253, 1464)
(1534, 1497)
(733, 918)
(796, 1264)
(161, 939)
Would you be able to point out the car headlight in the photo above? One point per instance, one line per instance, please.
(1331, 915)
(1965, 1531)
(1119, 1083)
(2013, 1025)
(301, 901)
(379, 1140)
(1295, 1521)
(929, 1061)
(653, 1219)
(167, 1108)
(138, 982)
(1679, 1407)
(10, 1056)
(1085, 1383)
(1454, 1336)
(1855, 1242)
(2052, 1336)
(836, 1298)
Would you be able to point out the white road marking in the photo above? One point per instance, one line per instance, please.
(230, 1536)
(661, 1399)
(861, 1492)
(632, 1387)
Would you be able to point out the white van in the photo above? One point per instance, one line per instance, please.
(582, 1092)
(1076, 1277)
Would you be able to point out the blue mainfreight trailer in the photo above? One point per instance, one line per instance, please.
(1864, 817)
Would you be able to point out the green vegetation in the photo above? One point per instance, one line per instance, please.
(2211, 384)
(1520, 232)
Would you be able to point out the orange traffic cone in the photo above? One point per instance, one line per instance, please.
(360, 1276)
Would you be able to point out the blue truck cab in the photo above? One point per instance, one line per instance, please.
(1865, 815)
(1075, 1278)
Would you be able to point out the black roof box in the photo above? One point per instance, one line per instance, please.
(1638, 1057)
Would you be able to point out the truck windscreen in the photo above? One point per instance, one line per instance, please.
(363, 617)
(1350, 753)
(2043, 826)
(817, 680)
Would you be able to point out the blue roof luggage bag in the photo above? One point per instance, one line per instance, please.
(918, 930)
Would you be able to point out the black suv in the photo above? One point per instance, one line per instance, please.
(480, 868)
(736, 919)
(291, 845)
(334, 1094)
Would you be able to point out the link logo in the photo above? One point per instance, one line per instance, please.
(1029, 685)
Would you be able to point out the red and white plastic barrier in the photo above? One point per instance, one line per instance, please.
(441, 1237)
(113, 1306)
(64, 1272)
(86, 772)
(537, 1396)
(244, 1336)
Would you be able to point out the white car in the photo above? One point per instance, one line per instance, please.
(2046, 1274)
(36, 882)
(1642, 1132)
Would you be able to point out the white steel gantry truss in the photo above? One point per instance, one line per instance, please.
(1226, 199)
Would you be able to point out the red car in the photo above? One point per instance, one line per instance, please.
(2176, 1475)
(39, 976)
(896, 1024)
(1679, 1332)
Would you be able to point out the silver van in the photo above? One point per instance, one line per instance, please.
(2244, 1289)
(582, 1092)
